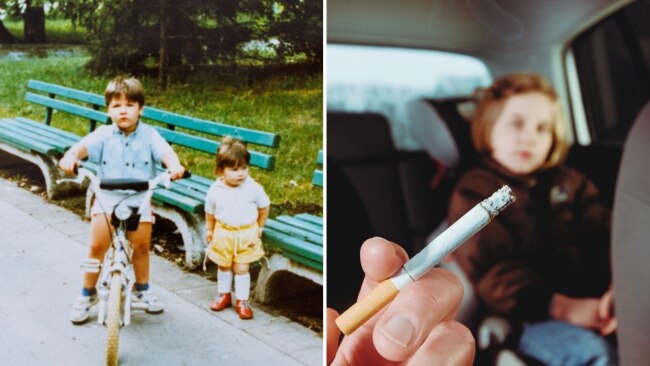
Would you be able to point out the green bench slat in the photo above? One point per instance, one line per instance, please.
(184, 190)
(316, 220)
(317, 179)
(20, 145)
(68, 107)
(202, 181)
(213, 128)
(178, 200)
(19, 141)
(306, 261)
(203, 144)
(71, 137)
(300, 224)
(195, 182)
(45, 137)
(210, 127)
(79, 95)
(294, 232)
(293, 245)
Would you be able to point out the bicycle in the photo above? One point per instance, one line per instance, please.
(116, 279)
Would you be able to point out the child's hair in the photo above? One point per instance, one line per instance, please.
(231, 154)
(126, 86)
(492, 101)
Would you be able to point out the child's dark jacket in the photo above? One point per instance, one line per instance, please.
(554, 238)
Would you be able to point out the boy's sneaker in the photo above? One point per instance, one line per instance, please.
(153, 305)
(81, 308)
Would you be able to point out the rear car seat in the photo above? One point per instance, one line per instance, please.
(392, 188)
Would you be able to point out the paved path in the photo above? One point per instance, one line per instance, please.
(42, 246)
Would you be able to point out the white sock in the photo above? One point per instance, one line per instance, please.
(224, 281)
(242, 286)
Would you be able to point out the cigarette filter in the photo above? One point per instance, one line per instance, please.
(468, 225)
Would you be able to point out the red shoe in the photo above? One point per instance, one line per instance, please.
(223, 301)
(244, 309)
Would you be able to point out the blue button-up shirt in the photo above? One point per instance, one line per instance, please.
(120, 156)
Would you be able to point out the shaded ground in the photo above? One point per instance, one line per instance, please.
(305, 308)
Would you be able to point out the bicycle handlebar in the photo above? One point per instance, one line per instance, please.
(113, 184)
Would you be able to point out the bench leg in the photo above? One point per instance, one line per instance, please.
(191, 227)
(267, 290)
(46, 164)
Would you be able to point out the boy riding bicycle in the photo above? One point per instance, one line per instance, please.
(127, 148)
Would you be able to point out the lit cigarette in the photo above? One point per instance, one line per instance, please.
(429, 257)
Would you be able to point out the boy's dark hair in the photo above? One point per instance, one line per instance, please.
(126, 86)
(231, 154)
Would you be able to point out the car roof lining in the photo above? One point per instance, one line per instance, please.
(465, 26)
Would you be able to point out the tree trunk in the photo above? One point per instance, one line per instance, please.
(162, 77)
(5, 35)
(34, 21)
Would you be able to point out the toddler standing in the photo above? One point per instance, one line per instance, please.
(236, 209)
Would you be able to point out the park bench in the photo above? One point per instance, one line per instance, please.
(43, 144)
(300, 238)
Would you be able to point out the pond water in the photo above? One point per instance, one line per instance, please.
(18, 52)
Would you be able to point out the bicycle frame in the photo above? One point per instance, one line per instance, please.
(118, 256)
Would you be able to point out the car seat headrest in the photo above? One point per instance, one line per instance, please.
(359, 136)
(441, 128)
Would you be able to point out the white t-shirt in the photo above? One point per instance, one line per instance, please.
(236, 206)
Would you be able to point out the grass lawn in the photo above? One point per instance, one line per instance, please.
(58, 31)
(288, 103)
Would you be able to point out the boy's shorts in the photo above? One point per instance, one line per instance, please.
(235, 244)
(112, 198)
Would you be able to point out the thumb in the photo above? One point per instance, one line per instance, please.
(333, 334)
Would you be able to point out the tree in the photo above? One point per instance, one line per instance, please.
(178, 36)
(5, 35)
(34, 21)
(299, 28)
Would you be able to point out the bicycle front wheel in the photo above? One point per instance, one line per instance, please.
(113, 319)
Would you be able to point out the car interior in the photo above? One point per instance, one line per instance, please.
(391, 165)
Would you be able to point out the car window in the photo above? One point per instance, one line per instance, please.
(384, 79)
(613, 64)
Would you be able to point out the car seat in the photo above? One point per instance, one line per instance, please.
(630, 249)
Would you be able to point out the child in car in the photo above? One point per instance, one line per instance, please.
(544, 263)
(236, 209)
(127, 148)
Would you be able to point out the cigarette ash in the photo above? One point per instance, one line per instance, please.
(498, 201)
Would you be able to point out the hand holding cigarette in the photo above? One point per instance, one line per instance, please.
(410, 329)
(431, 255)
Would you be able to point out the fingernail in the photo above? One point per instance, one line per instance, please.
(398, 330)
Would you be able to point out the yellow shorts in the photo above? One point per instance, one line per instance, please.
(235, 244)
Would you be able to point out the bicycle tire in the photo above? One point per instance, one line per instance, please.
(113, 320)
